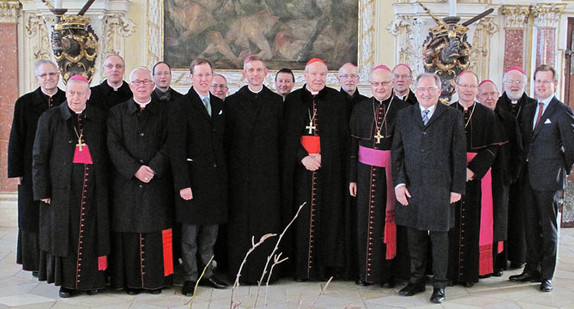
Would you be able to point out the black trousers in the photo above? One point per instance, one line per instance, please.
(418, 250)
(197, 241)
(541, 224)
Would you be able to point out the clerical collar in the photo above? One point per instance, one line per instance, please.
(464, 108)
(49, 95)
(312, 92)
(513, 102)
(256, 92)
(142, 104)
(115, 88)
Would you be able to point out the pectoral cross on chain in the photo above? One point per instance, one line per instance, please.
(378, 137)
(80, 144)
(310, 127)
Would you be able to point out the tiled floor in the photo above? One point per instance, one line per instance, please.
(18, 289)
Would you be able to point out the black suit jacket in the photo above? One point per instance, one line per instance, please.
(195, 143)
(549, 148)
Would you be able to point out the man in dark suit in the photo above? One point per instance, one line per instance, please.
(548, 137)
(195, 142)
(429, 168)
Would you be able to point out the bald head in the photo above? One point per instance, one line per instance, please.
(488, 94)
(349, 77)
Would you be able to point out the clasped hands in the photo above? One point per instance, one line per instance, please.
(312, 162)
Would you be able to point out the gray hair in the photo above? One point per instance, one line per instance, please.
(41, 62)
(140, 69)
(437, 80)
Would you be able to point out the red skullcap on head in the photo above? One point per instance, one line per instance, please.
(314, 60)
(403, 64)
(248, 57)
(486, 81)
(516, 68)
(80, 78)
(381, 67)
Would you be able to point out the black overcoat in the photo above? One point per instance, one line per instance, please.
(252, 142)
(197, 159)
(173, 95)
(137, 138)
(27, 111)
(431, 161)
(52, 172)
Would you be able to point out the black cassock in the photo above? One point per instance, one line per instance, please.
(410, 98)
(252, 142)
(505, 170)
(515, 246)
(320, 236)
(74, 228)
(104, 97)
(465, 253)
(372, 124)
(142, 243)
(27, 111)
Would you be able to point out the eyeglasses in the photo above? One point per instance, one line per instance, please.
(403, 76)
(423, 89)
(139, 82)
(110, 66)
(385, 83)
(514, 81)
(346, 76)
(545, 82)
(222, 86)
(51, 74)
(467, 86)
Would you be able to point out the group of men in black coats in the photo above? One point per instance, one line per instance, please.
(256, 162)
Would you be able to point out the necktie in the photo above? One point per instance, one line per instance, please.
(540, 107)
(207, 105)
(426, 116)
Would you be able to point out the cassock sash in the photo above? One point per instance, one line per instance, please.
(102, 262)
(167, 252)
(382, 158)
(82, 154)
(485, 262)
(312, 144)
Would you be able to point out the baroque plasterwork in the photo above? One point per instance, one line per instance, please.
(483, 32)
(515, 16)
(9, 12)
(547, 15)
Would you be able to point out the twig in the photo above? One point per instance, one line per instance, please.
(276, 261)
(197, 282)
(273, 252)
(253, 247)
(322, 291)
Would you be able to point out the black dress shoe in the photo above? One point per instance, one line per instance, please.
(525, 277)
(437, 296)
(188, 288)
(363, 283)
(214, 283)
(303, 280)
(467, 284)
(133, 291)
(497, 273)
(65, 292)
(546, 286)
(155, 291)
(412, 289)
(388, 284)
(35, 274)
(93, 292)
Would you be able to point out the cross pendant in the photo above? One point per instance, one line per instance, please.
(80, 144)
(310, 127)
(378, 137)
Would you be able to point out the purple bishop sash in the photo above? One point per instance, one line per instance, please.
(382, 158)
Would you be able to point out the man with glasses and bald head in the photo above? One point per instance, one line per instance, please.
(349, 80)
(471, 240)
(402, 81)
(113, 90)
(27, 111)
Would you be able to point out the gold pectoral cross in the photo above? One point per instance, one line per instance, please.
(378, 137)
(80, 144)
(310, 127)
